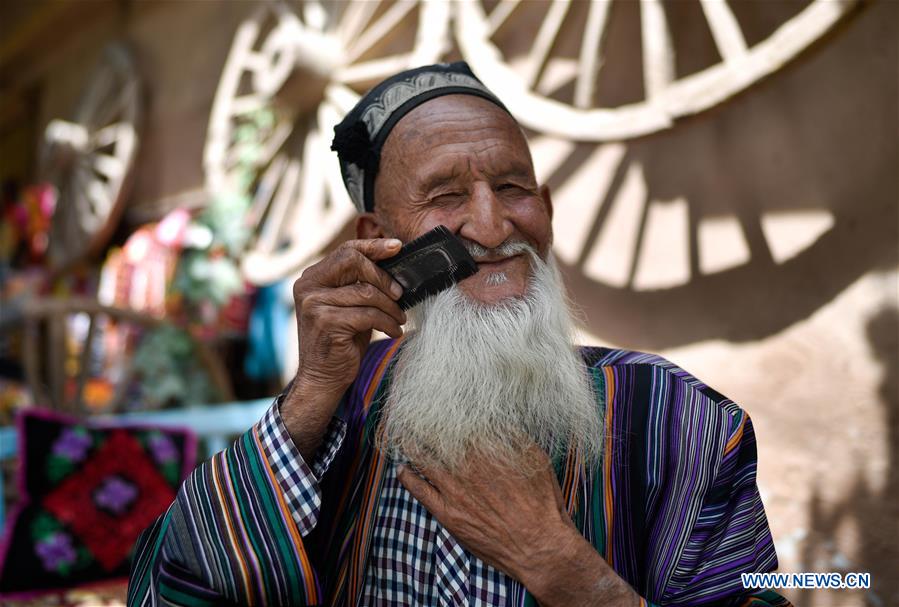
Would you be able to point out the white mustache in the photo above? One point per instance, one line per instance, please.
(509, 248)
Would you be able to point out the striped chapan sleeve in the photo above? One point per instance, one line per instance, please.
(706, 521)
(234, 535)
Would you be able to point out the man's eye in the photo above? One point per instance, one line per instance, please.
(448, 198)
(512, 188)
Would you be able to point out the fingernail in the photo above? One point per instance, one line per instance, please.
(396, 289)
(400, 468)
(394, 243)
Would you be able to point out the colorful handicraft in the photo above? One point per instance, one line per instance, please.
(87, 492)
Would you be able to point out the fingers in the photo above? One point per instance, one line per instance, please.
(376, 249)
(361, 294)
(330, 319)
(438, 476)
(557, 492)
(423, 491)
(358, 308)
(353, 262)
(339, 301)
(364, 319)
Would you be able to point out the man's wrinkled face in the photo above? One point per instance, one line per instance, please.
(460, 161)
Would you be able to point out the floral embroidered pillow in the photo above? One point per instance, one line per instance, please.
(86, 493)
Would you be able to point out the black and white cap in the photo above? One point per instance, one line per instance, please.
(359, 137)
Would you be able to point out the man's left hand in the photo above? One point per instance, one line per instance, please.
(518, 523)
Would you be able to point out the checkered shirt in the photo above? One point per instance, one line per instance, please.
(413, 559)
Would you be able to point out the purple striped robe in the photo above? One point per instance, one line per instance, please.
(674, 509)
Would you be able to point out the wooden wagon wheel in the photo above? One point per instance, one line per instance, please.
(90, 159)
(639, 228)
(530, 78)
(307, 63)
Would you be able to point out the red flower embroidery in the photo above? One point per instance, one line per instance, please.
(110, 537)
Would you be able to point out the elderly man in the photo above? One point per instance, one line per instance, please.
(482, 459)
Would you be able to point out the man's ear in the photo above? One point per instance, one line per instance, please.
(547, 200)
(368, 225)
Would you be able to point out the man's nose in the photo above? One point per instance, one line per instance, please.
(486, 221)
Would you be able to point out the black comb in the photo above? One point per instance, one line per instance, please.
(431, 263)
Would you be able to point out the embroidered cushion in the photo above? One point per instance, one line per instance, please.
(86, 491)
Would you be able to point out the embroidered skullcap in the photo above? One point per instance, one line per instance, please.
(359, 137)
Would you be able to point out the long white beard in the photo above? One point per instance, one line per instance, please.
(492, 380)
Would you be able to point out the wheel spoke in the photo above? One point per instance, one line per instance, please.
(355, 18)
(109, 166)
(126, 145)
(113, 105)
(544, 42)
(343, 98)
(308, 206)
(276, 58)
(274, 142)
(98, 194)
(559, 71)
(725, 29)
(376, 69)
(500, 14)
(77, 216)
(268, 184)
(81, 216)
(253, 61)
(431, 40)
(268, 238)
(314, 15)
(108, 135)
(589, 58)
(329, 114)
(380, 28)
(248, 103)
(658, 51)
(267, 148)
(99, 88)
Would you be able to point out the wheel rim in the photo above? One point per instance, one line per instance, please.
(667, 98)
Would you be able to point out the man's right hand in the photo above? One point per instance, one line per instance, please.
(339, 301)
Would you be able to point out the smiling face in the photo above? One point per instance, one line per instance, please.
(461, 161)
